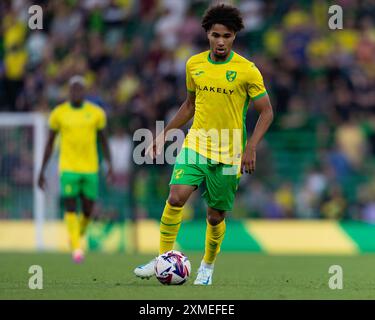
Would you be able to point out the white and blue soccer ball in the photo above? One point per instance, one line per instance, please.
(172, 268)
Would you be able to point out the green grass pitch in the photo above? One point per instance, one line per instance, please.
(237, 276)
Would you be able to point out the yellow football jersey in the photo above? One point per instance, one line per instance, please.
(78, 132)
(223, 91)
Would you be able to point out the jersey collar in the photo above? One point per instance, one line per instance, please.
(220, 62)
(79, 108)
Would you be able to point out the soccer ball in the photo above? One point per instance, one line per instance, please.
(172, 267)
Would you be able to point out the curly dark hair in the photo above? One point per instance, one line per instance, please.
(224, 14)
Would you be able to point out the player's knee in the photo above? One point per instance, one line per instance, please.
(87, 208)
(87, 213)
(175, 200)
(215, 219)
(70, 205)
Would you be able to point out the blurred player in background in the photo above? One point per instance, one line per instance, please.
(220, 84)
(79, 123)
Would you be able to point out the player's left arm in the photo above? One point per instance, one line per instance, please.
(103, 140)
(264, 108)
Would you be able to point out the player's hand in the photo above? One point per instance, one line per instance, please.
(248, 160)
(156, 147)
(41, 181)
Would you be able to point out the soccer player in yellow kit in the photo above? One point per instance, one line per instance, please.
(79, 123)
(220, 84)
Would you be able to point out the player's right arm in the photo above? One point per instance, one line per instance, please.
(54, 125)
(47, 154)
(183, 115)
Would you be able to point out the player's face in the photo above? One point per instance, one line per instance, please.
(77, 93)
(221, 41)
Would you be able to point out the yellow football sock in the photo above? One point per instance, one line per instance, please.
(71, 220)
(83, 223)
(169, 225)
(214, 238)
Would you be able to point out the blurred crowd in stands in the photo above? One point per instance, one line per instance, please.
(318, 161)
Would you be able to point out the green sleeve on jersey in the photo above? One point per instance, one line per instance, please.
(190, 85)
(259, 95)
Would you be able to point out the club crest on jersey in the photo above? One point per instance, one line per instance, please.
(231, 75)
(179, 173)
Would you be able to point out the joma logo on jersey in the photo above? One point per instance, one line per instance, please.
(198, 73)
(215, 89)
(231, 75)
